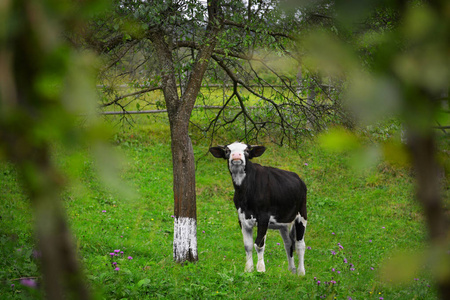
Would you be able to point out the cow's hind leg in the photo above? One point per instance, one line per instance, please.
(300, 247)
(289, 247)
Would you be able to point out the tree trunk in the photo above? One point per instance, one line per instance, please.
(62, 273)
(423, 151)
(185, 225)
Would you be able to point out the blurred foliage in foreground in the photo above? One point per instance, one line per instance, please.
(404, 73)
(45, 86)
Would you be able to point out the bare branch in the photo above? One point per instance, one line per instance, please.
(193, 45)
(157, 111)
(151, 89)
(245, 26)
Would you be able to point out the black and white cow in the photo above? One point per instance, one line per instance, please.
(266, 197)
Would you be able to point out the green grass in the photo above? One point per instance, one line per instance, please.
(370, 214)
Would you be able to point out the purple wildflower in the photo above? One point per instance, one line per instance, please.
(352, 269)
(372, 268)
(333, 252)
(114, 263)
(339, 272)
(333, 269)
(318, 282)
(278, 244)
(28, 282)
(130, 258)
(309, 248)
(13, 285)
(36, 254)
(305, 164)
(345, 260)
(117, 269)
(116, 251)
(112, 254)
(103, 211)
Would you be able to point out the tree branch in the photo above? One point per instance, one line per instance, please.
(245, 26)
(193, 45)
(151, 89)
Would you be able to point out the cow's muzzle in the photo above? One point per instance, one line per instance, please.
(237, 162)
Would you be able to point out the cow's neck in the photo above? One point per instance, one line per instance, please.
(240, 173)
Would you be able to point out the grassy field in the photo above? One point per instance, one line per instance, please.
(356, 220)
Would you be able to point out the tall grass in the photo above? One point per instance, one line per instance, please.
(356, 220)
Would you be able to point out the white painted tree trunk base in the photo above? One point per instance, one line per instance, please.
(185, 239)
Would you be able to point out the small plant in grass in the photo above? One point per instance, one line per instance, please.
(118, 255)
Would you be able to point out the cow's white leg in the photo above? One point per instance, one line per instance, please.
(300, 247)
(284, 232)
(260, 266)
(247, 233)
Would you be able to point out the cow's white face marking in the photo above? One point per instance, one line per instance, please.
(236, 162)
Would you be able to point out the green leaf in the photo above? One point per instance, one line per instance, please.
(144, 281)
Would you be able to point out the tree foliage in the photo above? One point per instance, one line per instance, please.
(252, 38)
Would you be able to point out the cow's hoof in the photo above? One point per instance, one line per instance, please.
(301, 272)
(261, 267)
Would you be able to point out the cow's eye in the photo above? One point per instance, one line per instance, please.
(227, 153)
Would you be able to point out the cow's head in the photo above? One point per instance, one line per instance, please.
(237, 155)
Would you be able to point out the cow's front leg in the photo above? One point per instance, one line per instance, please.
(247, 233)
(260, 244)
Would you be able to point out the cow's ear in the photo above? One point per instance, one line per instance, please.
(256, 151)
(218, 151)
